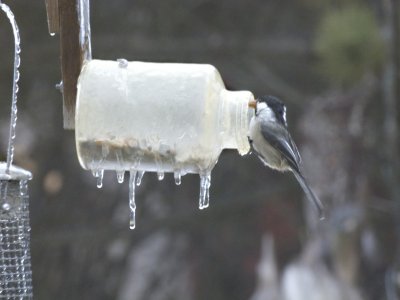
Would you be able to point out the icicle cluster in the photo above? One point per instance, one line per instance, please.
(135, 179)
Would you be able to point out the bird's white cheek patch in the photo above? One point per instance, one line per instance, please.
(265, 113)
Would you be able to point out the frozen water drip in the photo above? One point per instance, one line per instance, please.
(132, 204)
(99, 174)
(205, 182)
(139, 177)
(178, 178)
(100, 179)
(160, 176)
(120, 176)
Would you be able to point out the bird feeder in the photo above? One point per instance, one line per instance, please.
(15, 258)
(138, 117)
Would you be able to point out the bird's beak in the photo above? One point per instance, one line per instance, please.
(253, 104)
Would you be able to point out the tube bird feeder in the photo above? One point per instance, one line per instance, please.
(15, 257)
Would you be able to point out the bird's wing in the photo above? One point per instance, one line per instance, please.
(295, 150)
(280, 139)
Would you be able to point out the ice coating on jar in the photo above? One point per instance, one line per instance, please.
(156, 117)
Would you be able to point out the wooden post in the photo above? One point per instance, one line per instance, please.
(74, 29)
(70, 58)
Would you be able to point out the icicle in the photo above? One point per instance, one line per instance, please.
(17, 62)
(160, 175)
(118, 156)
(139, 177)
(120, 176)
(100, 179)
(205, 182)
(177, 177)
(99, 174)
(132, 204)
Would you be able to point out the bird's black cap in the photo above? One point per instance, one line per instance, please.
(277, 106)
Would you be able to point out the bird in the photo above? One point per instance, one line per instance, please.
(271, 141)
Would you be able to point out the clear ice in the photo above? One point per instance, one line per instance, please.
(135, 178)
(84, 32)
(160, 175)
(178, 178)
(205, 182)
(122, 62)
(17, 62)
(120, 176)
(132, 204)
(99, 174)
(139, 177)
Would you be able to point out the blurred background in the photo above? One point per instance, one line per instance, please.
(336, 65)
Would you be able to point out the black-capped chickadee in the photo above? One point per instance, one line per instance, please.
(273, 144)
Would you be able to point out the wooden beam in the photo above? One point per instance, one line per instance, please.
(75, 49)
(70, 58)
(53, 20)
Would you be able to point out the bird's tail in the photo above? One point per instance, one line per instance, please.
(310, 194)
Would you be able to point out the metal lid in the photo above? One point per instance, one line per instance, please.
(15, 173)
